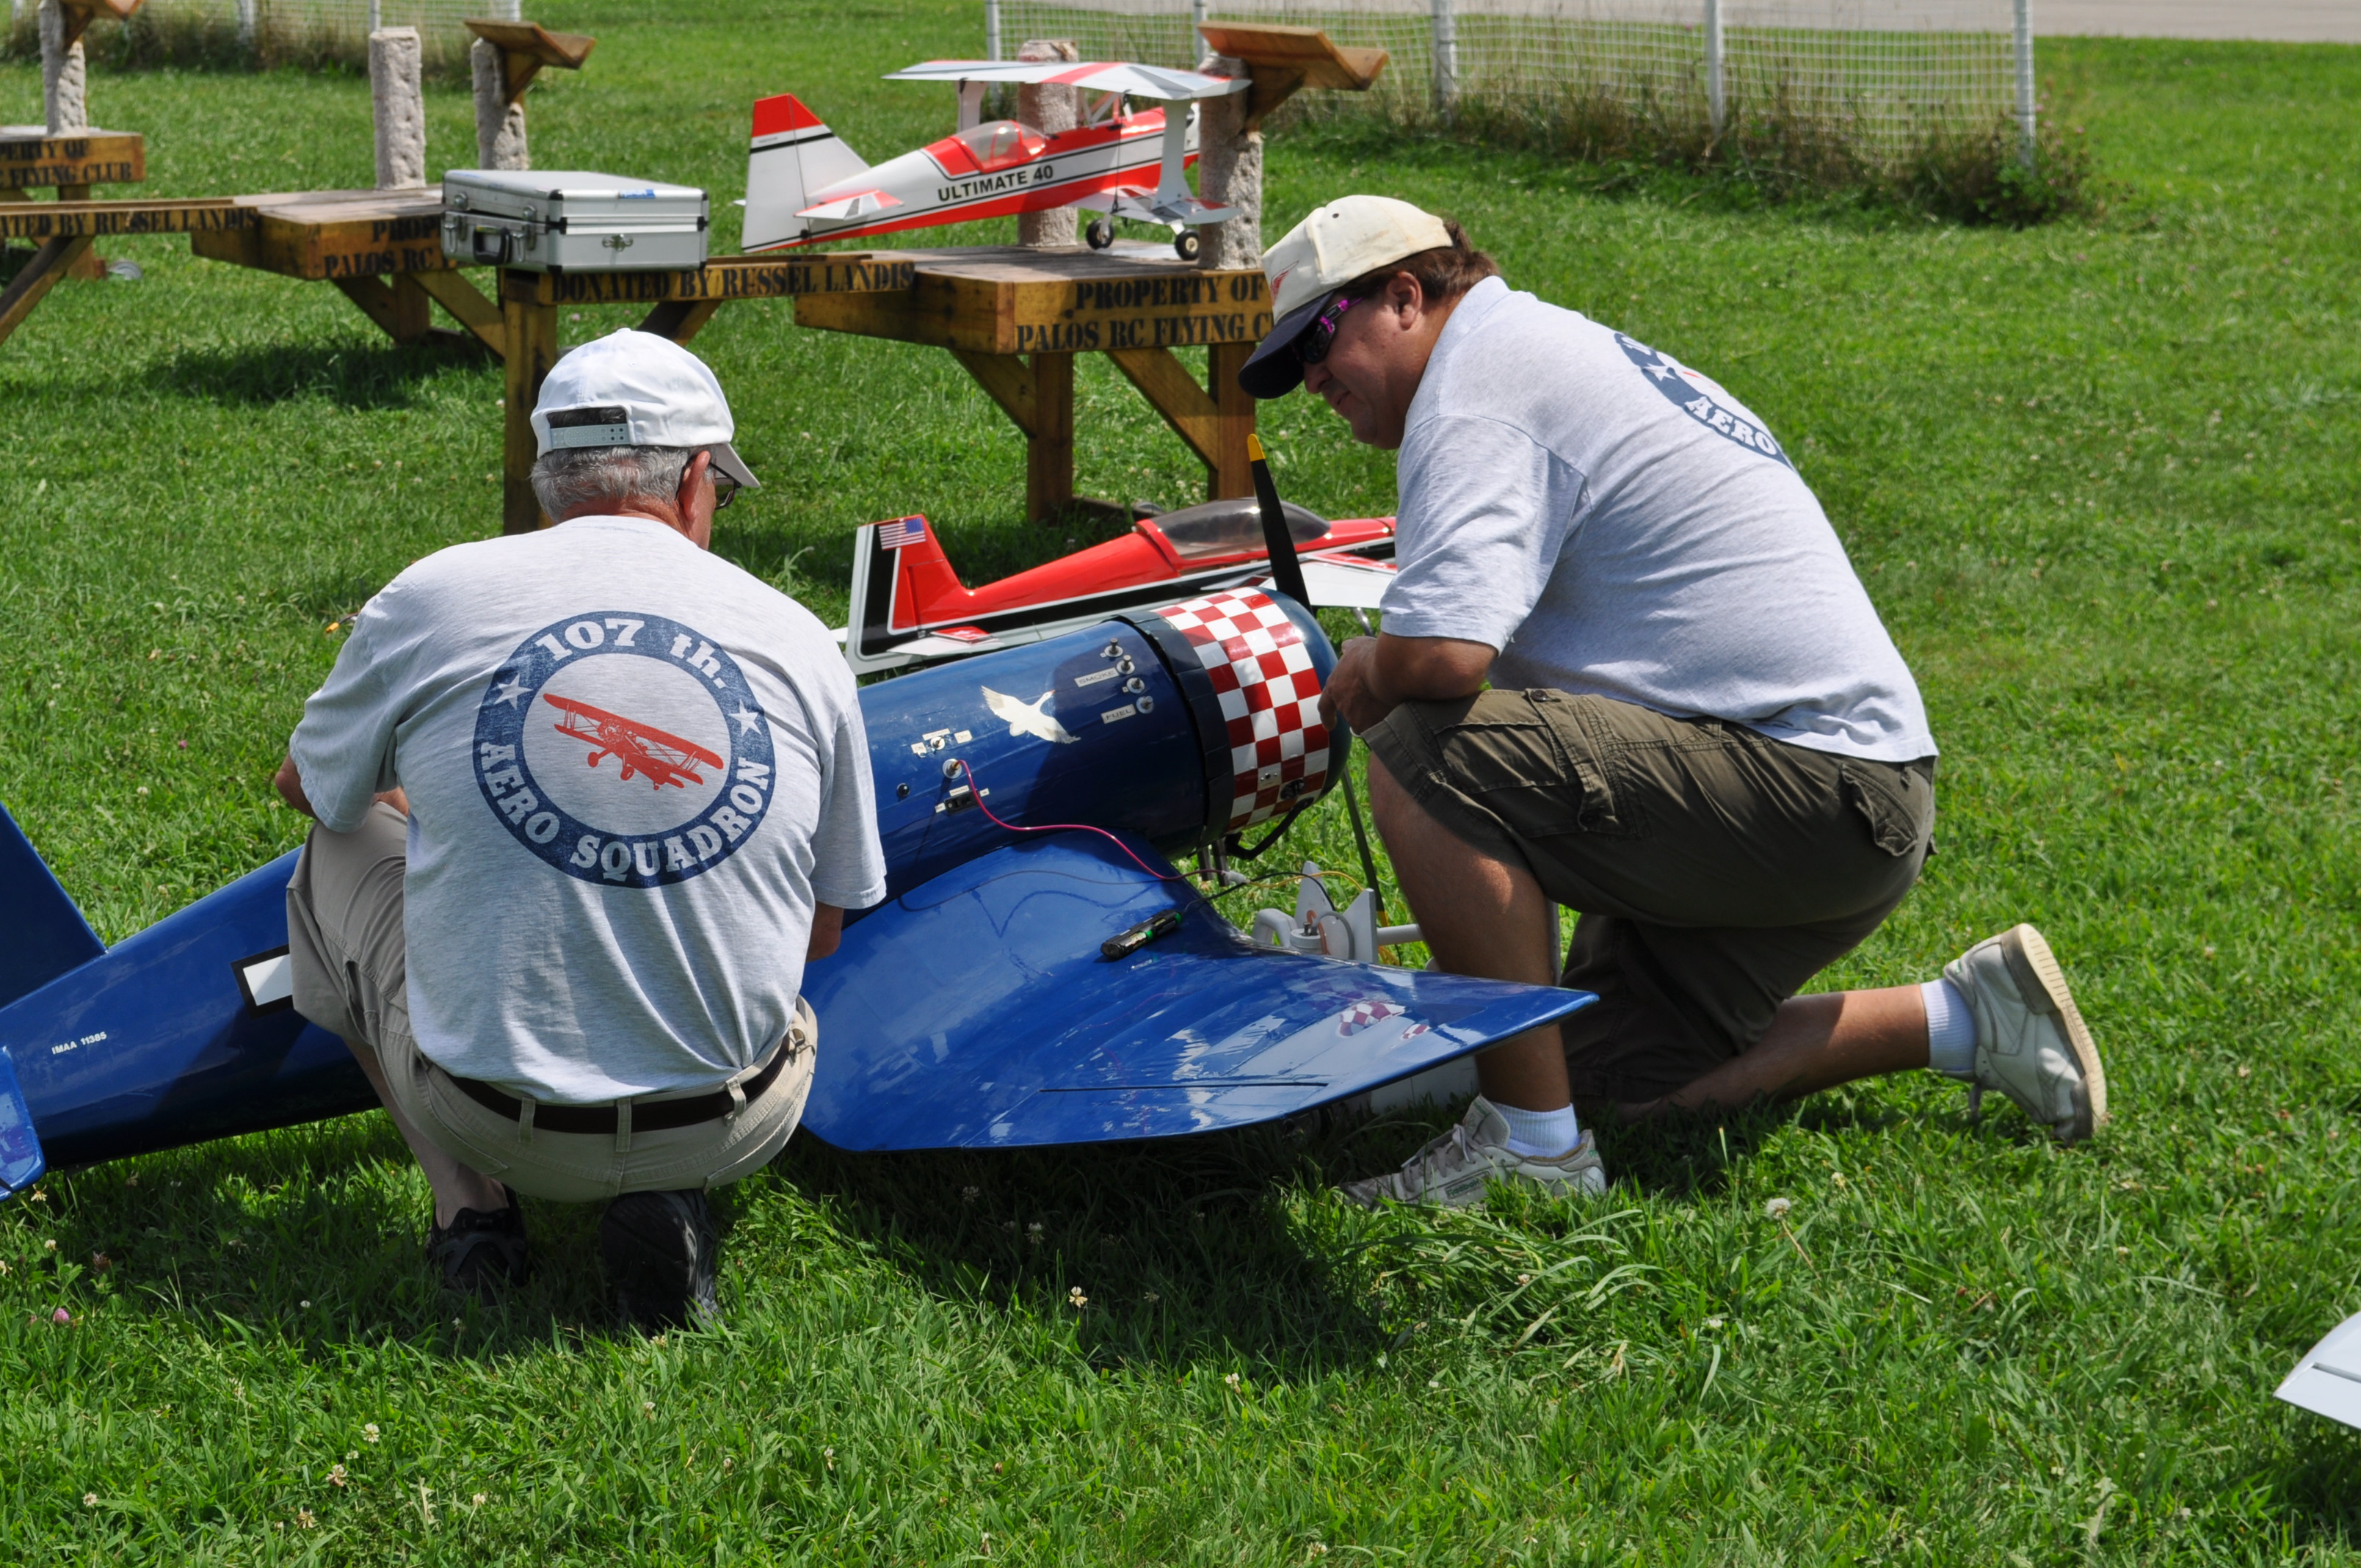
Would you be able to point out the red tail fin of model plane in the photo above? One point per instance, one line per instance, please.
(926, 592)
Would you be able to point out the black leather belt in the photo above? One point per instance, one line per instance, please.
(651, 1116)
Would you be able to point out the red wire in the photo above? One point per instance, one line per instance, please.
(977, 792)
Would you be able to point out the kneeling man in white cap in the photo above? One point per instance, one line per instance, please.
(588, 801)
(1627, 669)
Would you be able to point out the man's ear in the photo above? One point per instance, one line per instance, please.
(1404, 297)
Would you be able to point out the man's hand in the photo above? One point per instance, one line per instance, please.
(290, 785)
(1376, 675)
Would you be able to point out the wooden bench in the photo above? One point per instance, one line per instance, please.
(65, 231)
(32, 159)
(1015, 318)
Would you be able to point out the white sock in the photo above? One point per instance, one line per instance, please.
(1546, 1133)
(1950, 1030)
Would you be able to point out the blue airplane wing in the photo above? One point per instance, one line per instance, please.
(976, 1011)
(183, 1032)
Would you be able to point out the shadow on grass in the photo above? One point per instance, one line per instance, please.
(362, 376)
(314, 1235)
(1185, 1248)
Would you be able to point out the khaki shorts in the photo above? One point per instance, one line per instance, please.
(350, 973)
(1716, 869)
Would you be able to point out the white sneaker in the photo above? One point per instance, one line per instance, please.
(1452, 1170)
(2030, 1042)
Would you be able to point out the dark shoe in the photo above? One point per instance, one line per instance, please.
(478, 1251)
(658, 1248)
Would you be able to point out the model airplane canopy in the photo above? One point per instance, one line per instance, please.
(1091, 76)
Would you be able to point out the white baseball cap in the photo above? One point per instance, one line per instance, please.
(634, 389)
(1347, 238)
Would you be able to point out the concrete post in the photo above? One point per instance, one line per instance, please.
(396, 65)
(1229, 171)
(1051, 109)
(65, 102)
(500, 125)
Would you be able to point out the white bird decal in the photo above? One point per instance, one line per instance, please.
(1027, 717)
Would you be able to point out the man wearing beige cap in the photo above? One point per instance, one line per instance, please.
(1626, 668)
(588, 800)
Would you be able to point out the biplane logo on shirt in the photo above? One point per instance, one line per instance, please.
(623, 748)
(1700, 405)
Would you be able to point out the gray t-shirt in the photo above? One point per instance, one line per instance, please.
(1616, 523)
(633, 771)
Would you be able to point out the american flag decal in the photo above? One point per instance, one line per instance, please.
(900, 532)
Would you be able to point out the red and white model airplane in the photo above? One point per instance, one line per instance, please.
(644, 753)
(803, 184)
(910, 606)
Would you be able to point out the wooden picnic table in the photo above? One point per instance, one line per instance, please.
(1016, 316)
(383, 249)
(32, 159)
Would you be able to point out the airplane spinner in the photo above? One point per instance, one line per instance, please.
(978, 1006)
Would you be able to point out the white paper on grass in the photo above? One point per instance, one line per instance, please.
(2327, 1381)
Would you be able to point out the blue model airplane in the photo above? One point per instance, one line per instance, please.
(1014, 988)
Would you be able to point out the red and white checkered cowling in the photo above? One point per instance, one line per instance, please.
(1270, 692)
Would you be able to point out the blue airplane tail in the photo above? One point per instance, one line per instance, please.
(48, 934)
(49, 937)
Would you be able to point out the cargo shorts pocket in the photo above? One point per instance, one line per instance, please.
(1525, 756)
(1898, 804)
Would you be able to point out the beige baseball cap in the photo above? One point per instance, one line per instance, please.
(1347, 238)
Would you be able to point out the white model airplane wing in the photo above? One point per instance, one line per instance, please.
(2327, 1381)
(1349, 582)
(1092, 76)
(1027, 717)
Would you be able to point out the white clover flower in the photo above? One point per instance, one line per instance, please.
(369, 1432)
(1713, 1322)
(1231, 1378)
(90, 1499)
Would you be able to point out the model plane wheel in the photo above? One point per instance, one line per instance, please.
(1101, 233)
(1187, 243)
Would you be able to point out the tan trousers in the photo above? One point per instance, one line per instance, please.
(350, 973)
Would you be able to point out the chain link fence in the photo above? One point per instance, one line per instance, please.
(1878, 80)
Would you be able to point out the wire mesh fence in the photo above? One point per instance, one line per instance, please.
(293, 31)
(1879, 79)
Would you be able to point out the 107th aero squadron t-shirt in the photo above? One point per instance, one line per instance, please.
(633, 771)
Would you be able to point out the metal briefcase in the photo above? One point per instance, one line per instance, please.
(570, 221)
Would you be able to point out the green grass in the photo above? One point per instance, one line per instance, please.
(2099, 477)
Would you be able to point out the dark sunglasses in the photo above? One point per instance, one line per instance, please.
(1311, 344)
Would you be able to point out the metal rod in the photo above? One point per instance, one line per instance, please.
(1446, 58)
(992, 30)
(1717, 99)
(2025, 105)
(1361, 841)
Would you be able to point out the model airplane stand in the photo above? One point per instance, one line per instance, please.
(1015, 318)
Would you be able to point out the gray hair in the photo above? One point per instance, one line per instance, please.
(571, 479)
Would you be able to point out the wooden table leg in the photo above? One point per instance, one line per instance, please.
(531, 333)
(680, 320)
(1230, 474)
(471, 310)
(1049, 448)
(54, 259)
(90, 266)
(400, 308)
